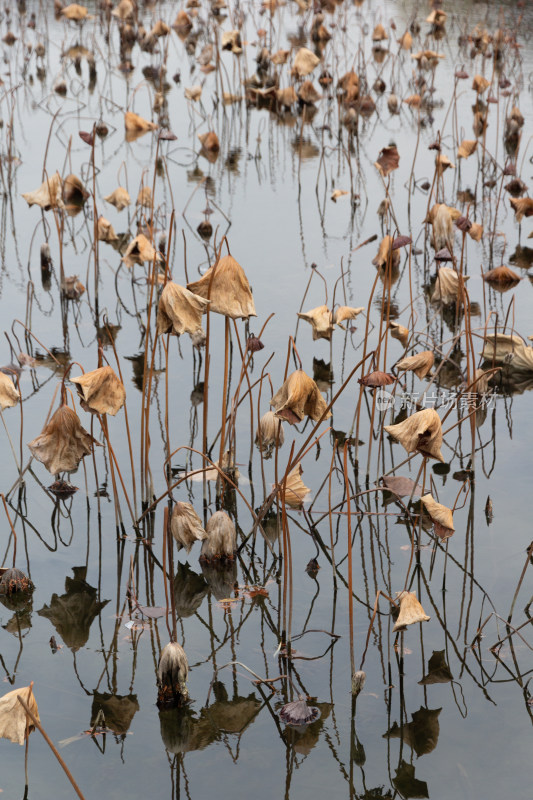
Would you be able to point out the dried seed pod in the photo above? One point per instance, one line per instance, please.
(14, 581)
(358, 681)
(377, 378)
(186, 526)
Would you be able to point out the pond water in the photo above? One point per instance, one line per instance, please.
(441, 714)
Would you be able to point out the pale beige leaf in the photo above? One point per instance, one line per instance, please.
(179, 310)
(299, 397)
(411, 611)
(186, 526)
(421, 432)
(101, 391)
(9, 396)
(225, 284)
(13, 717)
(320, 319)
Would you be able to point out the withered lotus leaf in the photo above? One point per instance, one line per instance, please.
(225, 284)
(221, 538)
(139, 250)
(136, 124)
(286, 97)
(476, 231)
(101, 391)
(388, 160)
(119, 198)
(75, 12)
(209, 141)
(9, 396)
(295, 489)
(231, 40)
(321, 320)
(13, 716)
(105, 231)
(466, 148)
(411, 611)
(421, 432)
(299, 397)
(406, 41)
(48, 195)
(160, 29)
(179, 310)
(480, 84)
(346, 312)
(441, 516)
(420, 363)
(193, 93)
(63, 442)
(304, 63)
(186, 526)
(501, 277)
(379, 33)
(442, 163)
(446, 287)
(509, 348)
(481, 384)
(398, 331)
(144, 198)
(386, 254)
(74, 192)
(124, 10)
(522, 207)
(377, 378)
(182, 23)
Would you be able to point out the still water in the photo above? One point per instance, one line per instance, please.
(440, 715)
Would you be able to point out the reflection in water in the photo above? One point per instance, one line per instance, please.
(221, 577)
(406, 783)
(73, 613)
(303, 739)
(422, 734)
(117, 710)
(190, 588)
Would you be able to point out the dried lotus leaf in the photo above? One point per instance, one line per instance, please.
(420, 363)
(299, 397)
(13, 716)
(179, 310)
(421, 432)
(63, 442)
(411, 611)
(225, 284)
(9, 395)
(101, 391)
(321, 320)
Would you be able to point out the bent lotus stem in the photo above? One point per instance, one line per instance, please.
(12, 530)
